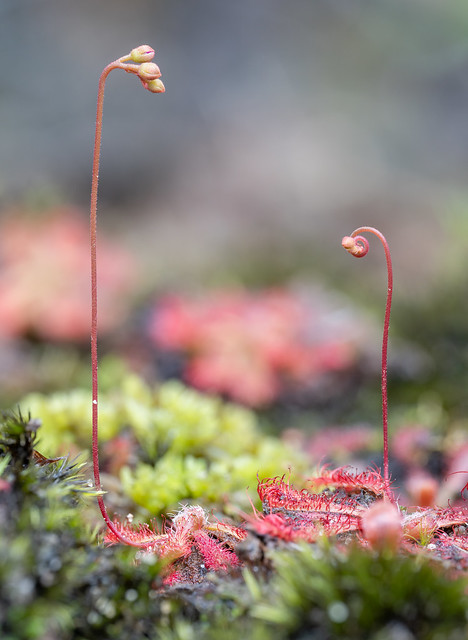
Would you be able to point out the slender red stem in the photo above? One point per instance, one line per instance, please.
(358, 246)
(131, 68)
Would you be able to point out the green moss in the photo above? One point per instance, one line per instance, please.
(190, 446)
(40, 529)
(331, 593)
(66, 419)
(327, 593)
(57, 582)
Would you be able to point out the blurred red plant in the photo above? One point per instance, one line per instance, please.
(381, 526)
(335, 443)
(250, 345)
(44, 276)
(411, 444)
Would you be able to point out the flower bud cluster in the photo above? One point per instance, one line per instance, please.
(148, 72)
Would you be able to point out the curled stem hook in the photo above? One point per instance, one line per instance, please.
(137, 62)
(358, 246)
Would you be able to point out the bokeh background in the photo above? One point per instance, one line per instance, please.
(284, 126)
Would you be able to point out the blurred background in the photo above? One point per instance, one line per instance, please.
(283, 127)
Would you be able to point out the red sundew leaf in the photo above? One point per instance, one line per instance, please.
(274, 525)
(172, 578)
(327, 523)
(304, 525)
(458, 541)
(276, 494)
(222, 528)
(453, 549)
(216, 556)
(141, 534)
(422, 488)
(426, 521)
(168, 543)
(370, 480)
(188, 520)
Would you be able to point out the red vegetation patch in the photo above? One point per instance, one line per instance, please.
(249, 345)
(411, 444)
(44, 277)
(335, 443)
(355, 505)
(192, 545)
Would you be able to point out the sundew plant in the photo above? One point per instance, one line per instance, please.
(191, 532)
(138, 62)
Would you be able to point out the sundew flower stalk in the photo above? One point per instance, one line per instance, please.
(358, 246)
(138, 62)
(363, 504)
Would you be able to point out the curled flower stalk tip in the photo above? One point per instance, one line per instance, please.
(357, 246)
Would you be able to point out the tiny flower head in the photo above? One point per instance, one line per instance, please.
(143, 53)
(381, 526)
(155, 86)
(422, 489)
(149, 71)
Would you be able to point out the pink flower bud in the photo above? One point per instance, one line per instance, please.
(353, 247)
(348, 243)
(381, 526)
(422, 489)
(143, 53)
(155, 86)
(149, 71)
